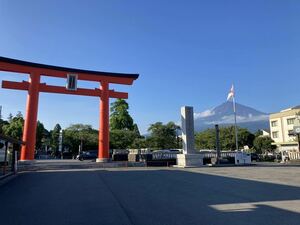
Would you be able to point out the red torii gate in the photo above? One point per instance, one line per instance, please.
(34, 87)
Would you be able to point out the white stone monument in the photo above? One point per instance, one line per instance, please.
(189, 158)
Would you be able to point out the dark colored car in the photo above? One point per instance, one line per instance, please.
(254, 157)
(86, 155)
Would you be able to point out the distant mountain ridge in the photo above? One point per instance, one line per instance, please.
(247, 117)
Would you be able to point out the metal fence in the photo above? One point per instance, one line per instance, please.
(224, 154)
(163, 155)
(294, 155)
(9, 148)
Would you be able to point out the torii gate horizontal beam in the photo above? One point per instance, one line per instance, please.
(62, 90)
(18, 66)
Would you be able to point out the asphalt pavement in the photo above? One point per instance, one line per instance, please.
(149, 196)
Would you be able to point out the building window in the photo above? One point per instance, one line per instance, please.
(290, 132)
(275, 134)
(274, 123)
(290, 121)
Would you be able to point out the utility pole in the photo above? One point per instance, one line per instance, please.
(231, 95)
(235, 127)
(218, 143)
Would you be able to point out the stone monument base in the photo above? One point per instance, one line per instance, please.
(189, 160)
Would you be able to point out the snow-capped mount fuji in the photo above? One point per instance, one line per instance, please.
(247, 117)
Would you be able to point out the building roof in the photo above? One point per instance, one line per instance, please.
(265, 130)
(288, 109)
(286, 112)
(66, 69)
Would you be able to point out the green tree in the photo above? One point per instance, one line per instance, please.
(136, 131)
(162, 136)
(245, 138)
(2, 123)
(121, 139)
(54, 136)
(263, 144)
(10, 117)
(14, 128)
(207, 139)
(80, 135)
(139, 143)
(123, 131)
(258, 133)
(119, 117)
(41, 134)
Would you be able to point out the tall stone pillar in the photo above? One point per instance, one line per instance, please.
(187, 127)
(189, 158)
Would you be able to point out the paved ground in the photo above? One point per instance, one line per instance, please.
(142, 196)
(286, 174)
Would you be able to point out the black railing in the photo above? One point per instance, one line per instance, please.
(9, 148)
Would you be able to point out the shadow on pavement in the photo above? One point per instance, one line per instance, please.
(145, 197)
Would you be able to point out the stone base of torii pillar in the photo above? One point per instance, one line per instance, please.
(189, 158)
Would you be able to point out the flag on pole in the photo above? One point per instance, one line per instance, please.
(230, 94)
(231, 97)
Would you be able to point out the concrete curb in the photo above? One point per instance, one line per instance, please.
(6, 178)
(93, 165)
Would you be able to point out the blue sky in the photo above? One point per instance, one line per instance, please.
(186, 52)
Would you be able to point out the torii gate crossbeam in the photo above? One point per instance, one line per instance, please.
(34, 87)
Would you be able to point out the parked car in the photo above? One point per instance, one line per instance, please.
(85, 155)
(254, 157)
(267, 157)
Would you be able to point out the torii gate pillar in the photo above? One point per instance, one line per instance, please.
(29, 132)
(103, 151)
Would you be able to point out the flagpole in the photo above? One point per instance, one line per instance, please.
(235, 127)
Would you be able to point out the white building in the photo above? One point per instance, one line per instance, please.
(265, 133)
(281, 128)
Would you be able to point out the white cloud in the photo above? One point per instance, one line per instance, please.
(203, 114)
(240, 119)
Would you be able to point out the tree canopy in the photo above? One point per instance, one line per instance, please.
(119, 117)
(123, 131)
(207, 139)
(263, 144)
(53, 139)
(14, 127)
(162, 136)
(41, 135)
(121, 139)
(80, 135)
